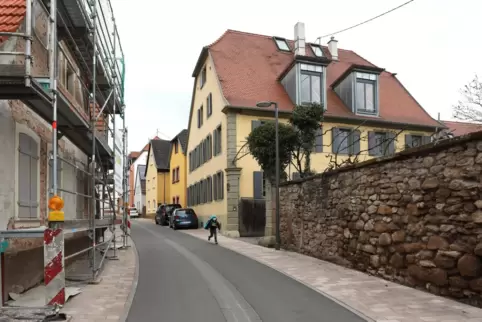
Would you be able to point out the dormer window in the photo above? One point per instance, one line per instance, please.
(311, 84)
(365, 93)
(317, 50)
(305, 83)
(282, 44)
(358, 89)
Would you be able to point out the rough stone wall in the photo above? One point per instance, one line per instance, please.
(415, 218)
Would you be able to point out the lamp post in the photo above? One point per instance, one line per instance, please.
(267, 104)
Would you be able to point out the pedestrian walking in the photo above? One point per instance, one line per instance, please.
(213, 225)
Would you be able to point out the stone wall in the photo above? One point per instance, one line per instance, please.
(414, 218)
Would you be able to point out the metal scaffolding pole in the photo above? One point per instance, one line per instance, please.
(93, 123)
(113, 65)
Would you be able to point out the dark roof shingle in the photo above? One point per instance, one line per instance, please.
(182, 138)
(161, 149)
(249, 66)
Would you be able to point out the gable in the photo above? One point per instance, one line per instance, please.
(200, 98)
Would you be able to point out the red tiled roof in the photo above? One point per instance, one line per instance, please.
(12, 13)
(462, 128)
(249, 65)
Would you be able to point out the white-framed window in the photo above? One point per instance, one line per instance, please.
(27, 183)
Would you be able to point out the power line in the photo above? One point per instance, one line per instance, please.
(366, 21)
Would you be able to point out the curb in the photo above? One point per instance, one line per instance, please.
(132, 293)
(328, 296)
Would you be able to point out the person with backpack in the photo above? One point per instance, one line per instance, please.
(213, 225)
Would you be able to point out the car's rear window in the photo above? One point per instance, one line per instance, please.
(185, 212)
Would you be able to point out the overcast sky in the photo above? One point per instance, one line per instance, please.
(431, 44)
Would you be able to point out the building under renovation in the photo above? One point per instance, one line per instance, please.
(62, 129)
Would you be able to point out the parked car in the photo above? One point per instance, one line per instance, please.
(133, 212)
(164, 212)
(183, 218)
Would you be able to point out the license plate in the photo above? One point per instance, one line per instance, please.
(185, 222)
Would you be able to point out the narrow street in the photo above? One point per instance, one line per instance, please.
(182, 278)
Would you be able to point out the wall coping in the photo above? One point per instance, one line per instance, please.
(402, 155)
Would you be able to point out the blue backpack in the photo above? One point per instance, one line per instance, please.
(208, 222)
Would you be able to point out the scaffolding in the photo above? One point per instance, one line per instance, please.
(81, 94)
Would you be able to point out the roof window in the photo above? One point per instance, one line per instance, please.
(282, 44)
(317, 50)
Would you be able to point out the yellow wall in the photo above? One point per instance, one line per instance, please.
(196, 135)
(163, 187)
(178, 188)
(319, 161)
(151, 185)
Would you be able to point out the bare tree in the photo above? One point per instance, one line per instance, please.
(469, 108)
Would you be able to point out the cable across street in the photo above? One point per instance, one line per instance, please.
(366, 21)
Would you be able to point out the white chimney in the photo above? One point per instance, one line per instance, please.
(300, 46)
(333, 48)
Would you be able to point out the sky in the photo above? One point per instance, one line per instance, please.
(430, 44)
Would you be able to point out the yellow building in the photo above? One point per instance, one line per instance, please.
(368, 113)
(177, 162)
(157, 175)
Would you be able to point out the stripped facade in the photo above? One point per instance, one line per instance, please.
(71, 118)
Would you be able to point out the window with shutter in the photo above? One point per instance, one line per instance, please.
(220, 177)
(318, 146)
(381, 143)
(28, 176)
(215, 187)
(258, 184)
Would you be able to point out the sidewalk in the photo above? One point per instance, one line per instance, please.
(111, 298)
(380, 300)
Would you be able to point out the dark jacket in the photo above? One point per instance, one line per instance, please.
(214, 224)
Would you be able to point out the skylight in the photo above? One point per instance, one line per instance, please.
(282, 44)
(317, 50)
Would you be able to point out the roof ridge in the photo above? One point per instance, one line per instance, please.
(288, 39)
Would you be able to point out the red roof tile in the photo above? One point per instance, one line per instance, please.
(249, 65)
(12, 13)
(462, 128)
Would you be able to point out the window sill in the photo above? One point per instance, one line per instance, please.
(362, 113)
(27, 223)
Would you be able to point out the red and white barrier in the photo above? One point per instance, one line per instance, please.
(54, 275)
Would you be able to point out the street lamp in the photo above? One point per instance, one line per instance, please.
(267, 104)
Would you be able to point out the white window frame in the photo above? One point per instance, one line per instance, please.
(22, 128)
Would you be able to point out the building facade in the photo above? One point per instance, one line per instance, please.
(140, 190)
(157, 175)
(177, 164)
(368, 113)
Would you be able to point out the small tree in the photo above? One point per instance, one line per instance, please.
(296, 141)
(306, 119)
(469, 108)
(261, 143)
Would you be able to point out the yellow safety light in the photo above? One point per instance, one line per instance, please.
(56, 204)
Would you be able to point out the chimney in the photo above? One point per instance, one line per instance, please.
(300, 47)
(333, 48)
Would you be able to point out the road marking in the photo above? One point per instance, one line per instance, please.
(232, 304)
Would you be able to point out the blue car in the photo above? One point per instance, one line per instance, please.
(183, 218)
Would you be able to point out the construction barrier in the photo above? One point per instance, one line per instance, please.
(54, 274)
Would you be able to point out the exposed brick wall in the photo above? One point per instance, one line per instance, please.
(415, 218)
(24, 269)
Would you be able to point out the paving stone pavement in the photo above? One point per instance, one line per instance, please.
(107, 300)
(375, 298)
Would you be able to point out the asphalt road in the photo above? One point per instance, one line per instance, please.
(185, 279)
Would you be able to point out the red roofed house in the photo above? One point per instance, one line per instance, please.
(457, 128)
(26, 120)
(240, 69)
